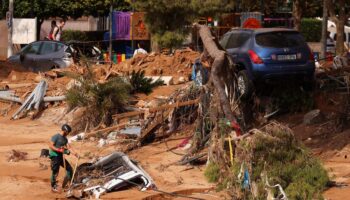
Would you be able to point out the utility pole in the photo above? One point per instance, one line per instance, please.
(110, 34)
(324, 30)
(9, 19)
(132, 26)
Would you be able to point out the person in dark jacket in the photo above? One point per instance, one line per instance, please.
(58, 148)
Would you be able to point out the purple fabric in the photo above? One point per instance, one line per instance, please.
(121, 25)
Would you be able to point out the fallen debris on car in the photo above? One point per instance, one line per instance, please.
(108, 174)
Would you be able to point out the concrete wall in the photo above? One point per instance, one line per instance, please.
(3, 40)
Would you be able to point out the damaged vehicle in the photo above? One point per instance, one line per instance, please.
(268, 55)
(47, 54)
(110, 173)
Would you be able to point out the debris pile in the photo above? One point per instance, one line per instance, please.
(177, 65)
(272, 155)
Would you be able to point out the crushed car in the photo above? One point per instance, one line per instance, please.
(109, 173)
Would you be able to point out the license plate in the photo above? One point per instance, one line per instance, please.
(287, 57)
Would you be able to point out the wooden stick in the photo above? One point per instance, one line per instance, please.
(76, 164)
(119, 126)
(152, 110)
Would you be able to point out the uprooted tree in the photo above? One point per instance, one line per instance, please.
(220, 108)
(247, 164)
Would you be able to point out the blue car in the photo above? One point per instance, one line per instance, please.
(268, 54)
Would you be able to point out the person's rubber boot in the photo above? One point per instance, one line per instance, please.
(55, 189)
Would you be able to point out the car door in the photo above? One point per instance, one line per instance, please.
(29, 55)
(46, 57)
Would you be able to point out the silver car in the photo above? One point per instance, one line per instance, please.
(44, 56)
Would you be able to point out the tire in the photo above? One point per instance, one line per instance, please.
(245, 85)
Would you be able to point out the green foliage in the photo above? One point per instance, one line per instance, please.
(212, 7)
(100, 99)
(169, 39)
(167, 20)
(44, 9)
(212, 172)
(311, 29)
(140, 83)
(69, 35)
(276, 154)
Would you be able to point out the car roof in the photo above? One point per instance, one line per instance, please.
(263, 30)
(50, 41)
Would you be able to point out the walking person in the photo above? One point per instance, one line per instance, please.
(58, 148)
(57, 32)
(53, 26)
(140, 49)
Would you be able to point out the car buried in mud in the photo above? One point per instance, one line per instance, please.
(109, 173)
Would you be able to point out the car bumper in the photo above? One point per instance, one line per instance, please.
(282, 72)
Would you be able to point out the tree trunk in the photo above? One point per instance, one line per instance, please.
(297, 14)
(340, 28)
(324, 30)
(38, 28)
(219, 57)
(154, 45)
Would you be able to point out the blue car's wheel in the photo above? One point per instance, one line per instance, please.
(245, 86)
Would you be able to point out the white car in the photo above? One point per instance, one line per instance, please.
(332, 28)
(108, 174)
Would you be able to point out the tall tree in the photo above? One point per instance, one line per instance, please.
(339, 13)
(169, 21)
(324, 30)
(309, 8)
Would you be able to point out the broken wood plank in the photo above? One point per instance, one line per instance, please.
(152, 110)
(112, 128)
(159, 119)
(54, 98)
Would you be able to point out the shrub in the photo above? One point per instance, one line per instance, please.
(100, 99)
(274, 153)
(170, 39)
(69, 35)
(140, 83)
(311, 29)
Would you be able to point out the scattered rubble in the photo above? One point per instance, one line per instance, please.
(142, 121)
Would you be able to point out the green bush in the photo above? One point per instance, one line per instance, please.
(274, 153)
(311, 29)
(212, 172)
(101, 100)
(68, 35)
(140, 83)
(170, 39)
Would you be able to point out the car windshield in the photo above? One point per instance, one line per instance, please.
(279, 39)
